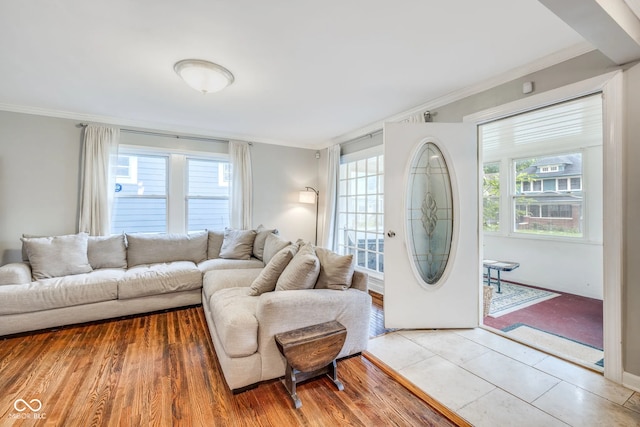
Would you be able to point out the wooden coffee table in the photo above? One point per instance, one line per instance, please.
(311, 352)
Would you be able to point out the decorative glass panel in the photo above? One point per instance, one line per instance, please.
(429, 213)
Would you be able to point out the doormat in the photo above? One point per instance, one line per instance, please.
(516, 297)
(556, 343)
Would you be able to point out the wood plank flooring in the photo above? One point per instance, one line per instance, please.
(161, 369)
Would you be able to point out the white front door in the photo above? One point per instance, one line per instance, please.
(432, 264)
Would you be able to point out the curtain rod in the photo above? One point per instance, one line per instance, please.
(361, 137)
(170, 135)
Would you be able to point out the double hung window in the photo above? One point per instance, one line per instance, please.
(537, 167)
(160, 192)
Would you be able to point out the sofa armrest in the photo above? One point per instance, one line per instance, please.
(17, 273)
(282, 311)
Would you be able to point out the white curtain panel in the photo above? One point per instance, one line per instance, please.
(241, 197)
(100, 153)
(329, 225)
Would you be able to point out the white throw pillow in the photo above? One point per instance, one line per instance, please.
(261, 238)
(272, 245)
(336, 271)
(57, 256)
(302, 272)
(266, 281)
(237, 244)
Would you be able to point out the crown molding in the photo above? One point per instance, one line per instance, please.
(513, 74)
(141, 125)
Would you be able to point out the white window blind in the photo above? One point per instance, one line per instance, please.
(573, 124)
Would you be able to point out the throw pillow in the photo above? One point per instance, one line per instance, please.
(215, 244)
(302, 272)
(57, 256)
(266, 281)
(336, 271)
(237, 244)
(107, 251)
(261, 239)
(272, 245)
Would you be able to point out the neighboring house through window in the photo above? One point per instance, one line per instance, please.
(160, 192)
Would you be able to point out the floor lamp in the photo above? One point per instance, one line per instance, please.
(310, 195)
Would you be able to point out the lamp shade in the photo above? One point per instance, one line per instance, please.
(307, 196)
(203, 76)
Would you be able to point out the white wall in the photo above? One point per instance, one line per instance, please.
(39, 179)
(279, 174)
(564, 266)
(39, 164)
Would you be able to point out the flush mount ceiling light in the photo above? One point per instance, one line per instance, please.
(203, 76)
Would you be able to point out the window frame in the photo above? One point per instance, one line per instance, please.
(592, 151)
(177, 179)
(342, 248)
(222, 173)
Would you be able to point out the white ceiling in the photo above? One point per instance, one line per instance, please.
(305, 71)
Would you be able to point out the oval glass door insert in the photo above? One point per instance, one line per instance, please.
(429, 213)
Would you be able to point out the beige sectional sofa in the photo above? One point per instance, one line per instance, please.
(246, 298)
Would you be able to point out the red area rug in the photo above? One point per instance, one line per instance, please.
(571, 316)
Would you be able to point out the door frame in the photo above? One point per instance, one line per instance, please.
(611, 85)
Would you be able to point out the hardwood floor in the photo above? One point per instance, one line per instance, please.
(161, 369)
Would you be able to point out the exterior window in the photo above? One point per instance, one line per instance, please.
(545, 155)
(576, 184)
(547, 209)
(162, 192)
(360, 211)
(140, 204)
(491, 197)
(207, 195)
(562, 184)
(127, 169)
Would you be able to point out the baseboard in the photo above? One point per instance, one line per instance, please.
(376, 285)
(631, 381)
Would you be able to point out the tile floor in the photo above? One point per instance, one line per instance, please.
(492, 381)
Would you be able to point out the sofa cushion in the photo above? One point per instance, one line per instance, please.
(57, 292)
(302, 272)
(214, 244)
(336, 271)
(261, 239)
(227, 264)
(272, 245)
(160, 248)
(57, 256)
(154, 279)
(237, 244)
(107, 251)
(215, 280)
(233, 312)
(266, 281)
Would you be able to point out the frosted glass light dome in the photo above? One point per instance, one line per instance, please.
(203, 76)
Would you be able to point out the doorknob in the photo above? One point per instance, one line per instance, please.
(391, 233)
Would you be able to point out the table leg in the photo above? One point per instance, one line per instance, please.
(290, 385)
(499, 291)
(332, 373)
